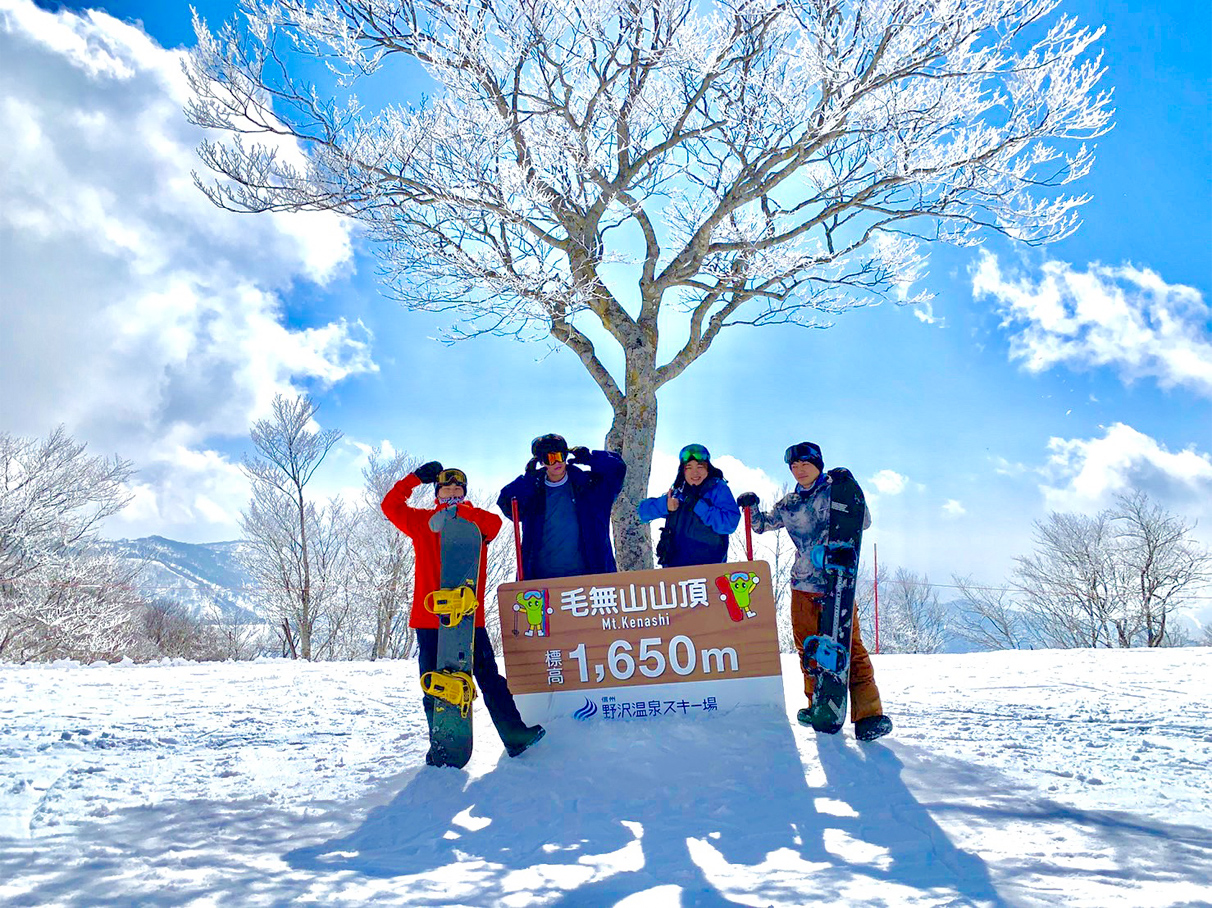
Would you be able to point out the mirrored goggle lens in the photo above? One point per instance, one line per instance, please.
(448, 476)
(694, 452)
(801, 451)
(555, 457)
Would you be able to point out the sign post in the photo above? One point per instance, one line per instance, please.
(653, 645)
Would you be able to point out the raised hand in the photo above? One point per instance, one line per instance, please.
(428, 472)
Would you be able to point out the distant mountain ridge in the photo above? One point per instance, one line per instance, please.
(207, 578)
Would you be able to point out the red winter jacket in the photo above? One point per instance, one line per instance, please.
(414, 522)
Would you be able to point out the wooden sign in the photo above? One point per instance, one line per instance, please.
(642, 644)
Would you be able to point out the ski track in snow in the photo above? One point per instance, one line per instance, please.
(1029, 778)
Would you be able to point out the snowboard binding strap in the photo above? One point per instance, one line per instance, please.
(836, 556)
(456, 688)
(824, 655)
(454, 604)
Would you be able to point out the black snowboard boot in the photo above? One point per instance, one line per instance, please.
(872, 727)
(804, 717)
(530, 736)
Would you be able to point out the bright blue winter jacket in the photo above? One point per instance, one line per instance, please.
(593, 491)
(700, 526)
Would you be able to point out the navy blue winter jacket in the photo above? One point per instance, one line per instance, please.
(700, 526)
(593, 491)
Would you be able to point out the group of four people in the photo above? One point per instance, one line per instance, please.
(563, 501)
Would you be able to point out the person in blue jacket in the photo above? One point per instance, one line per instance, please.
(564, 499)
(699, 510)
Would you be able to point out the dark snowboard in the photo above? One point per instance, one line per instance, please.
(451, 685)
(827, 655)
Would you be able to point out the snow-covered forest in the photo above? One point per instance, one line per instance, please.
(1125, 578)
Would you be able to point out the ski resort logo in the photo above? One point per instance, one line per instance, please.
(736, 589)
(533, 604)
(586, 712)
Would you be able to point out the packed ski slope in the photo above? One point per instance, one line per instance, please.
(1040, 778)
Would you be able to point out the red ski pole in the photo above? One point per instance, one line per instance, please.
(748, 536)
(517, 537)
(875, 550)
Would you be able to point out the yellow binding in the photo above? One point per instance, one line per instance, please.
(455, 688)
(455, 604)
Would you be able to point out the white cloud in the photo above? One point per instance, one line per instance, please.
(889, 482)
(1004, 467)
(178, 486)
(953, 508)
(135, 312)
(924, 312)
(742, 478)
(1126, 318)
(1084, 475)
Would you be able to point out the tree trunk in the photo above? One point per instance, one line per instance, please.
(633, 434)
(289, 639)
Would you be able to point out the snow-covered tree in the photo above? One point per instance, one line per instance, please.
(912, 619)
(168, 629)
(60, 595)
(82, 605)
(1113, 579)
(238, 639)
(1069, 586)
(990, 618)
(627, 178)
(53, 499)
(295, 547)
(1164, 567)
(383, 559)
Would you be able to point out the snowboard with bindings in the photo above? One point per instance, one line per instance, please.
(827, 654)
(451, 685)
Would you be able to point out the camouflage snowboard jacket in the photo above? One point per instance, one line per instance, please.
(804, 514)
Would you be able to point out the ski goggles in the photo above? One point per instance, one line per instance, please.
(804, 450)
(546, 445)
(456, 477)
(693, 452)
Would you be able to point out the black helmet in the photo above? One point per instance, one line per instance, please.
(548, 444)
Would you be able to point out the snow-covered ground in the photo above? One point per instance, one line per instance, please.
(1039, 778)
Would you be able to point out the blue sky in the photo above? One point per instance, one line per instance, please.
(964, 422)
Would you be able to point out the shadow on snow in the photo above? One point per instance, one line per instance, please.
(597, 813)
(721, 808)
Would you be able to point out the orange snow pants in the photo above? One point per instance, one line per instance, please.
(805, 622)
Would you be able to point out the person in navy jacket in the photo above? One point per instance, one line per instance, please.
(564, 499)
(699, 510)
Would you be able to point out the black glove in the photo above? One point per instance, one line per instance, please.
(581, 453)
(428, 472)
(533, 464)
(747, 500)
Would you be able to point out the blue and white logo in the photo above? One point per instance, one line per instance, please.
(588, 711)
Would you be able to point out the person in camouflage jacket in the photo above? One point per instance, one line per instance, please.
(804, 514)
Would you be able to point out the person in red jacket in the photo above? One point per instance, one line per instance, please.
(450, 490)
